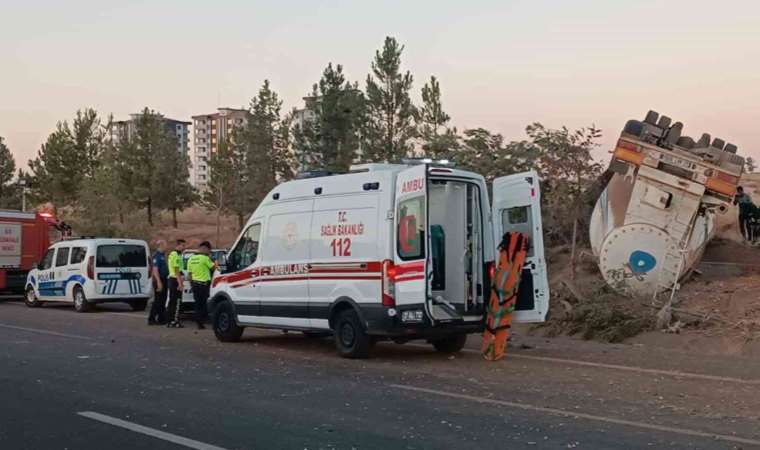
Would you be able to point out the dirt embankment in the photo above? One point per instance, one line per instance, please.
(719, 305)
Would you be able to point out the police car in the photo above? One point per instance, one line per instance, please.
(86, 271)
(387, 251)
(217, 255)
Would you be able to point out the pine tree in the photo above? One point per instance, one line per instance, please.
(389, 127)
(55, 172)
(174, 192)
(68, 157)
(8, 187)
(438, 140)
(143, 158)
(101, 202)
(264, 147)
(331, 138)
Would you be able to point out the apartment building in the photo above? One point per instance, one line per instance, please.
(209, 130)
(179, 128)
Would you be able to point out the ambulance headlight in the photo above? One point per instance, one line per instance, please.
(412, 315)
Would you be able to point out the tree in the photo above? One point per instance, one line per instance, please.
(263, 150)
(750, 164)
(9, 189)
(55, 172)
(389, 128)
(486, 153)
(568, 171)
(175, 192)
(100, 198)
(142, 158)
(68, 157)
(225, 166)
(331, 138)
(438, 140)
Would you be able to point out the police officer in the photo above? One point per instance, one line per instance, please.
(160, 276)
(200, 268)
(175, 283)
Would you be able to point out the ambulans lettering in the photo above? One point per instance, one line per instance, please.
(415, 185)
(289, 269)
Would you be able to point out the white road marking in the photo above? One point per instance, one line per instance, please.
(158, 434)
(672, 373)
(47, 332)
(664, 372)
(572, 414)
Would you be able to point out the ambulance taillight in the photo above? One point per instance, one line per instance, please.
(389, 280)
(91, 267)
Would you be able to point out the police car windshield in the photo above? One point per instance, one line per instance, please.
(121, 255)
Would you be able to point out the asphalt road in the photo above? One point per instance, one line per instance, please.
(105, 380)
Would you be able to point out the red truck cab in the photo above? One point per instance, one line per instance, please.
(24, 238)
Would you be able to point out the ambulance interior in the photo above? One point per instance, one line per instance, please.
(456, 249)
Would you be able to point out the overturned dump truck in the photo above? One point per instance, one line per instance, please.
(654, 218)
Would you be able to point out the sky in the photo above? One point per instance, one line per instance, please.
(502, 64)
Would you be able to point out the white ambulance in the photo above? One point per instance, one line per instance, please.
(386, 251)
(92, 270)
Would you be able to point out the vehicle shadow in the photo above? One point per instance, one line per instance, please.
(324, 346)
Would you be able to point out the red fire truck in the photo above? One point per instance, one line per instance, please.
(24, 238)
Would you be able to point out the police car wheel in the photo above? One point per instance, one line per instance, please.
(226, 328)
(350, 338)
(450, 344)
(80, 301)
(30, 299)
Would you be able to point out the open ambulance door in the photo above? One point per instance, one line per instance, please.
(411, 243)
(517, 207)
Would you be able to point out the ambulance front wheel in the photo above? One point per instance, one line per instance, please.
(350, 338)
(226, 328)
(30, 299)
(450, 344)
(80, 301)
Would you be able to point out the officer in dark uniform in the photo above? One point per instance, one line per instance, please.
(160, 274)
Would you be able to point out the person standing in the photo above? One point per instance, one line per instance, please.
(746, 207)
(160, 275)
(200, 267)
(175, 283)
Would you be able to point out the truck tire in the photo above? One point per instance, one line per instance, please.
(138, 305)
(31, 300)
(225, 326)
(81, 305)
(350, 338)
(450, 344)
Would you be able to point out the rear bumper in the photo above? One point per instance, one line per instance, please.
(379, 323)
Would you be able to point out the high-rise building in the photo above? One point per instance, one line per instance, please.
(178, 128)
(209, 130)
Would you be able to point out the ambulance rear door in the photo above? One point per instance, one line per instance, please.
(411, 241)
(517, 208)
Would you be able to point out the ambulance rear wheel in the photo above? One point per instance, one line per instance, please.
(450, 344)
(226, 328)
(350, 338)
(30, 299)
(80, 301)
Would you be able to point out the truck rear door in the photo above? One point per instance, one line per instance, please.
(517, 208)
(411, 238)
